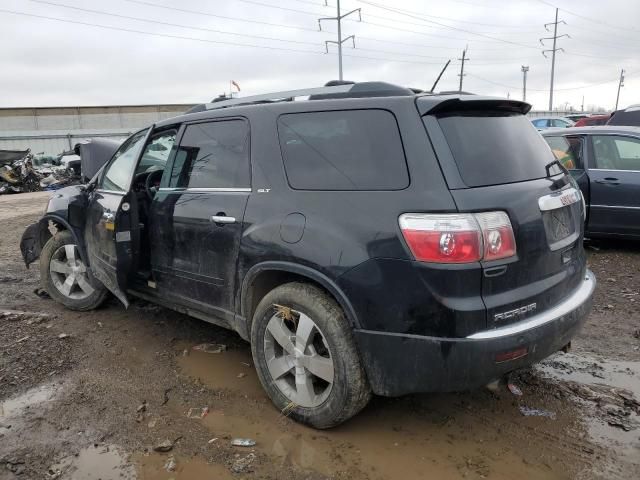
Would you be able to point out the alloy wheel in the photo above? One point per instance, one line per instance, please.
(69, 273)
(298, 358)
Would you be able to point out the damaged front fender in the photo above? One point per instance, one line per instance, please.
(33, 239)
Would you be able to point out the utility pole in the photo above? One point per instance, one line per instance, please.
(524, 69)
(553, 51)
(461, 74)
(338, 18)
(582, 104)
(620, 85)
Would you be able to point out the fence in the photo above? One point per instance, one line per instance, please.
(54, 130)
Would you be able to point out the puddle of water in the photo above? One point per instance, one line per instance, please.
(17, 406)
(96, 463)
(390, 439)
(231, 369)
(152, 467)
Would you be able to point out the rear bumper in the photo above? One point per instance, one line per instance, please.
(398, 364)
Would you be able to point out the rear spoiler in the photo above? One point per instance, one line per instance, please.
(433, 105)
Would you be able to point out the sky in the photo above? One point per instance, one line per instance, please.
(122, 52)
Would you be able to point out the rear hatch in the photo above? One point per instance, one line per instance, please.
(493, 159)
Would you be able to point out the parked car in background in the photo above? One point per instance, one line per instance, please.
(542, 123)
(629, 116)
(366, 240)
(593, 120)
(605, 162)
(574, 117)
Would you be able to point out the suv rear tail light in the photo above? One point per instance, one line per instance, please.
(458, 237)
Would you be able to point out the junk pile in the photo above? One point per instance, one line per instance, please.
(21, 171)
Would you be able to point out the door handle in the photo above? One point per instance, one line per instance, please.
(222, 219)
(609, 181)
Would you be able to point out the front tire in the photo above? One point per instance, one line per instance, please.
(306, 357)
(65, 276)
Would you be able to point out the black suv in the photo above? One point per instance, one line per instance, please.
(366, 239)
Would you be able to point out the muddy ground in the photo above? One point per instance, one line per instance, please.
(89, 395)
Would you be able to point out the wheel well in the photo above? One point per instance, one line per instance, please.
(267, 280)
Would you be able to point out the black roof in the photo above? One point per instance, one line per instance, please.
(366, 92)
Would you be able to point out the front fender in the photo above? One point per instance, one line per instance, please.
(37, 234)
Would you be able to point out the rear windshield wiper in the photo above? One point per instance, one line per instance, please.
(548, 166)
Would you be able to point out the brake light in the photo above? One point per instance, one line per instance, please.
(459, 237)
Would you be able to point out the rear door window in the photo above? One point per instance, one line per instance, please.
(566, 150)
(496, 148)
(343, 150)
(213, 155)
(613, 152)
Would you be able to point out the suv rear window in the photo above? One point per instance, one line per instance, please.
(343, 150)
(496, 148)
(631, 116)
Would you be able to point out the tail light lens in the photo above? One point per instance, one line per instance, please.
(458, 238)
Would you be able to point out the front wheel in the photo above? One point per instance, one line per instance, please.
(66, 278)
(306, 357)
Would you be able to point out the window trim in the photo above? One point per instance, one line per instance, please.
(164, 185)
(304, 112)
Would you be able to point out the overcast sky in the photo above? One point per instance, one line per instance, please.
(152, 54)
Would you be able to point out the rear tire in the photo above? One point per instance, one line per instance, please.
(306, 357)
(65, 276)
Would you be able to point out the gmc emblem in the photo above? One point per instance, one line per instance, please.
(518, 312)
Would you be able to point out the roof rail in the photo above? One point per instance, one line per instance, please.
(272, 97)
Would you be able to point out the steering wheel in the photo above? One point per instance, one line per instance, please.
(151, 183)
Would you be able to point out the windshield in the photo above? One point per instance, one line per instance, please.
(496, 148)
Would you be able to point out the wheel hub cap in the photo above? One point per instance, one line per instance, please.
(299, 359)
(69, 274)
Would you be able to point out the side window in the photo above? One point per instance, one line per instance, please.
(628, 150)
(343, 150)
(567, 150)
(605, 152)
(213, 155)
(539, 123)
(157, 151)
(117, 175)
(556, 122)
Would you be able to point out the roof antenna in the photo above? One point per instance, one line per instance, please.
(440, 76)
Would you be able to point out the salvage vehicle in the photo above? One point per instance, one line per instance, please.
(363, 238)
(605, 162)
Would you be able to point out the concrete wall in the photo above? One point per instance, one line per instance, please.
(53, 130)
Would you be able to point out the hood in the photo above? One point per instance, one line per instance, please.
(94, 154)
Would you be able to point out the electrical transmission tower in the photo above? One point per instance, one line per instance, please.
(524, 69)
(620, 85)
(553, 51)
(461, 74)
(338, 18)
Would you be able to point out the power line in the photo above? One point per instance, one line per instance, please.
(158, 22)
(422, 14)
(204, 40)
(589, 19)
(539, 89)
(296, 27)
(338, 19)
(366, 2)
(223, 17)
(553, 52)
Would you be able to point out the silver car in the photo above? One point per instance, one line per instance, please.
(542, 123)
